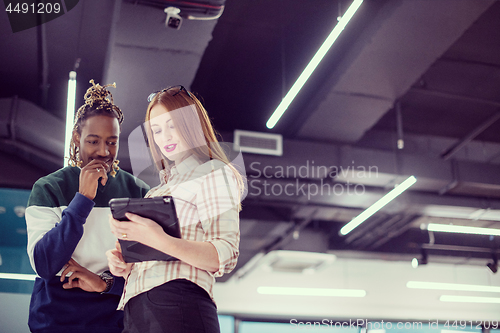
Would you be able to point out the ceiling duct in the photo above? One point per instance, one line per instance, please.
(31, 133)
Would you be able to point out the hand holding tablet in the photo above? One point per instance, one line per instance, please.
(159, 209)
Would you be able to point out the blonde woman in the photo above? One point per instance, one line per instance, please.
(177, 296)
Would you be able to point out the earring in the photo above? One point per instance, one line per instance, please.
(79, 163)
(114, 168)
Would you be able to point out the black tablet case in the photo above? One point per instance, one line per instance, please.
(159, 209)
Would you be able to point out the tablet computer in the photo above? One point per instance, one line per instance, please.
(159, 209)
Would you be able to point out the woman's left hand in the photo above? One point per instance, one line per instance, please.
(139, 229)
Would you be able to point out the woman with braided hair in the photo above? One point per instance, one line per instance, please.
(68, 230)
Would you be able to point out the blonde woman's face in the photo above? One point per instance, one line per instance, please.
(166, 136)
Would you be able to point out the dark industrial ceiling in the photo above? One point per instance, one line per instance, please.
(437, 62)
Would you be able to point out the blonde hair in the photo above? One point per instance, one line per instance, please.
(204, 145)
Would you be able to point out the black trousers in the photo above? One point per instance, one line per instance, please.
(178, 306)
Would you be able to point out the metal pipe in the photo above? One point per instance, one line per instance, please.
(453, 96)
(445, 247)
(468, 138)
(399, 125)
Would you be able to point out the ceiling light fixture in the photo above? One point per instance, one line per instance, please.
(378, 205)
(17, 276)
(469, 299)
(311, 292)
(415, 262)
(462, 229)
(316, 59)
(451, 286)
(70, 114)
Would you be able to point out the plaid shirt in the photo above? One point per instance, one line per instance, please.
(206, 201)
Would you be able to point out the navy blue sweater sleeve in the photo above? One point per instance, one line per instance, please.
(117, 287)
(55, 248)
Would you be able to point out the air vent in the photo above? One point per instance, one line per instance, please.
(258, 143)
(286, 261)
(297, 261)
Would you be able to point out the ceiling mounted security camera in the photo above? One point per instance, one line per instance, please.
(173, 19)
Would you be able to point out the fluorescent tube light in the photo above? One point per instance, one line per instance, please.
(316, 59)
(469, 299)
(70, 114)
(378, 205)
(451, 286)
(311, 292)
(462, 229)
(17, 276)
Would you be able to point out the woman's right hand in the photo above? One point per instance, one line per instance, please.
(118, 266)
(89, 177)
